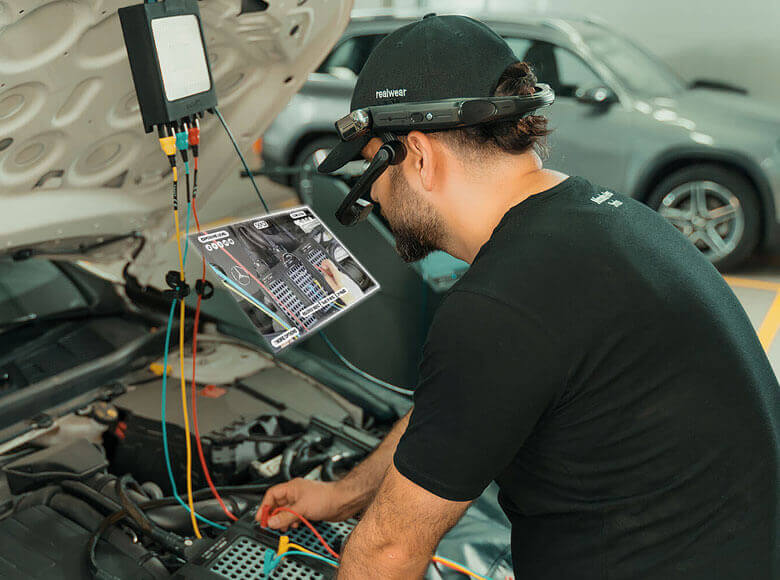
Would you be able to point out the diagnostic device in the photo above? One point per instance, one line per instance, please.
(168, 60)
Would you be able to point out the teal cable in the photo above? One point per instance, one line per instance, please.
(305, 554)
(365, 375)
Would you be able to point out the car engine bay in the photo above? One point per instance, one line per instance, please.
(99, 450)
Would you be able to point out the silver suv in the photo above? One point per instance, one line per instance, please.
(703, 154)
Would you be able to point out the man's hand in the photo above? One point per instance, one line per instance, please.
(314, 500)
(399, 532)
(337, 501)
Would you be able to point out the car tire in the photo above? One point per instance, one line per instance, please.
(305, 157)
(715, 207)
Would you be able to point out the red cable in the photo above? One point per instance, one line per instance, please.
(279, 302)
(194, 390)
(308, 525)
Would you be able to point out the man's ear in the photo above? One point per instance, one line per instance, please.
(422, 154)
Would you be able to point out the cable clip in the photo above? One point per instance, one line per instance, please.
(179, 289)
(204, 289)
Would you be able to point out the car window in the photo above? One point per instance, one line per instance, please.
(574, 73)
(563, 70)
(348, 58)
(35, 287)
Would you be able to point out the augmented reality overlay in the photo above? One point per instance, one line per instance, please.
(288, 271)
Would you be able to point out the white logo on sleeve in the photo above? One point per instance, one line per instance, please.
(606, 196)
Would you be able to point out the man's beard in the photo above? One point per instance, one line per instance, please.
(417, 228)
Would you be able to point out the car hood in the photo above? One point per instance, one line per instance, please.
(734, 119)
(77, 169)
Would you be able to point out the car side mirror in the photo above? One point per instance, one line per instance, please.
(598, 96)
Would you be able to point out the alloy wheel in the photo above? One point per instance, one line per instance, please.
(708, 214)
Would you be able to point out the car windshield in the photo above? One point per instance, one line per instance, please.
(637, 70)
(35, 289)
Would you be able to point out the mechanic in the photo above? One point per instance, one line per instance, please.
(591, 361)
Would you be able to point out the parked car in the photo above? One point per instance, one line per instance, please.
(86, 234)
(703, 153)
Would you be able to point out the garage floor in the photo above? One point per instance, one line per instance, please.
(757, 286)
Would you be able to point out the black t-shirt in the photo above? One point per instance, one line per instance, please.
(597, 367)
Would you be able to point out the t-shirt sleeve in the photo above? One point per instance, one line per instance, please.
(487, 375)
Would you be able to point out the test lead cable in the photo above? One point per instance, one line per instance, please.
(194, 139)
(182, 145)
(168, 145)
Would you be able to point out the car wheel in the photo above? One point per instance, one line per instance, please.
(305, 157)
(714, 207)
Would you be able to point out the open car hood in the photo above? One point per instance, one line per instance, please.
(75, 164)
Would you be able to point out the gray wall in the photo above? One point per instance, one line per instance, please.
(738, 42)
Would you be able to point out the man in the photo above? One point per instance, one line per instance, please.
(591, 361)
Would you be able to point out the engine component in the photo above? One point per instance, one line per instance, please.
(27, 538)
(78, 459)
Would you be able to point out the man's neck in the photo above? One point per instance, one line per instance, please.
(487, 196)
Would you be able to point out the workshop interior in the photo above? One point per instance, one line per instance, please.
(190, 313)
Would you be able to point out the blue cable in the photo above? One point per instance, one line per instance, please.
(365, 375)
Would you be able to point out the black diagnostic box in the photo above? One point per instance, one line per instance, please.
(168, 59)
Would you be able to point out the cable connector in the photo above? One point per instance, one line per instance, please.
(269, 562)
(168, 145)
(193, 135)
(204, 289)
(182, 144)
(179, 288)
(284, 545)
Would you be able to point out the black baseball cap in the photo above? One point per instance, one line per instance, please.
(438, 57)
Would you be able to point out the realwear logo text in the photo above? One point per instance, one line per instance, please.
(390, 93)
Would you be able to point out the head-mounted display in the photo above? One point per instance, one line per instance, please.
(401, 118)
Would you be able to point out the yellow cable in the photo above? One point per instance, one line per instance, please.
(184, 387)
(186, 424)
(292, 546)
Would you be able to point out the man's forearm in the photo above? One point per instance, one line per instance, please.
(361, 484)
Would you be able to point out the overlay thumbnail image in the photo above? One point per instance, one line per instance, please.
(287, 270)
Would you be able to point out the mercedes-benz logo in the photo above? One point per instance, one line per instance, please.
(239, 275)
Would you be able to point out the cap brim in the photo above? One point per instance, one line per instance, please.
(343, 153)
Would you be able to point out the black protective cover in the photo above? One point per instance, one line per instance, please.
(77, 459)
(156, 109)
(28, 537)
